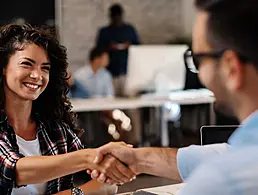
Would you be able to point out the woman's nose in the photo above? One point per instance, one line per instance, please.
(36, 75)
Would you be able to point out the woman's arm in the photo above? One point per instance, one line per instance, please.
(93, 187)
(32, 170)
(40, 169)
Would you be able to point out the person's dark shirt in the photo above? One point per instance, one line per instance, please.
(113, 35)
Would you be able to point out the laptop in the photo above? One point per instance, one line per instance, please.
(216, 134)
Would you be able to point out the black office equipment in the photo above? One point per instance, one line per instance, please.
(216, 134)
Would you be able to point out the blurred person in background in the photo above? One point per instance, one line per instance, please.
(77, 89)
(94, 79)
(37, 126)
(117, 37)
(94, 76)
(97, 81)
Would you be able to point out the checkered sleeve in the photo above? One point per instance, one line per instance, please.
(8, 160)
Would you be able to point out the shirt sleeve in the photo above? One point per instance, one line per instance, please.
(101, 40)
(8, 160)
(135, 36)
(78, 90)
(189, 158)
(109, 86)
(207, 180)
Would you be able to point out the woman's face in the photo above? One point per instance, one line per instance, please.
(27, 73)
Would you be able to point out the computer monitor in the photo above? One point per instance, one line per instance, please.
(216, 134)
(158, 68)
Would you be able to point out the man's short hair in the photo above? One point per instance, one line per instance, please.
(96, 52)
(233, 24)
(116, 10)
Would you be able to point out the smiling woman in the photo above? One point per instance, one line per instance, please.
(27, 73)
(37, 129)
(32, 51)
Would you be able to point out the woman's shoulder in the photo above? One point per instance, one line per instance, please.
(58, 129)
(60, 132)
(55, 125)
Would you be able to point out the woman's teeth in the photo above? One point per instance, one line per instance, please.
(31, 86)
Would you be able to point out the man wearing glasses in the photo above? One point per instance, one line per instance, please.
(225, 56)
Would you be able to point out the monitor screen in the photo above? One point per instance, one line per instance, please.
(158, 68)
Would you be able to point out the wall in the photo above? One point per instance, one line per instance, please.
(187, 16)
(157, 21)
(40, 12)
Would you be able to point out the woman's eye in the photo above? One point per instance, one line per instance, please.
(46, 68)
(26, 63)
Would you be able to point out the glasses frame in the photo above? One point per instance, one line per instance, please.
(196, 57)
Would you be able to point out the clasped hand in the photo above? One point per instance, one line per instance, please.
(114, 164)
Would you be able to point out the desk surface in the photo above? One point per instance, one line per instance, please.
(162, 190)
(151, 100)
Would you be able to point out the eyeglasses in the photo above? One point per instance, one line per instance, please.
(192, 60)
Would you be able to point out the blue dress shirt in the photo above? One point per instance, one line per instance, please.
(97, 85)
(78, 90)
(234, 171)
(189, 158)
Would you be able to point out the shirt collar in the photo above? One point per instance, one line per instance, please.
(247, 133)
(91, 73)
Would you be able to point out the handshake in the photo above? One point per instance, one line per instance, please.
(114, 163)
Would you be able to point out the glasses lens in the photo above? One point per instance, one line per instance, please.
(191, 62)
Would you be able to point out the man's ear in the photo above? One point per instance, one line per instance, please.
(232, 70)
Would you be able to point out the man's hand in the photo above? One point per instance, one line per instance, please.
(120, 46)
(113, 169)
(121, 151)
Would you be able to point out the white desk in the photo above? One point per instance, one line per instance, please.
(188, 97)
(162, 190)
(183, 98)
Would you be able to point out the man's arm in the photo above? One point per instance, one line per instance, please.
(175, 164)
(101, 39)
(208, 180)
(161, 162)
(109, 90)
(135, 37)
(155, 161)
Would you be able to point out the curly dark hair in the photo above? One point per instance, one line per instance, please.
(53, 103)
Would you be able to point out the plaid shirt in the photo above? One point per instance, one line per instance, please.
(54, 138)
